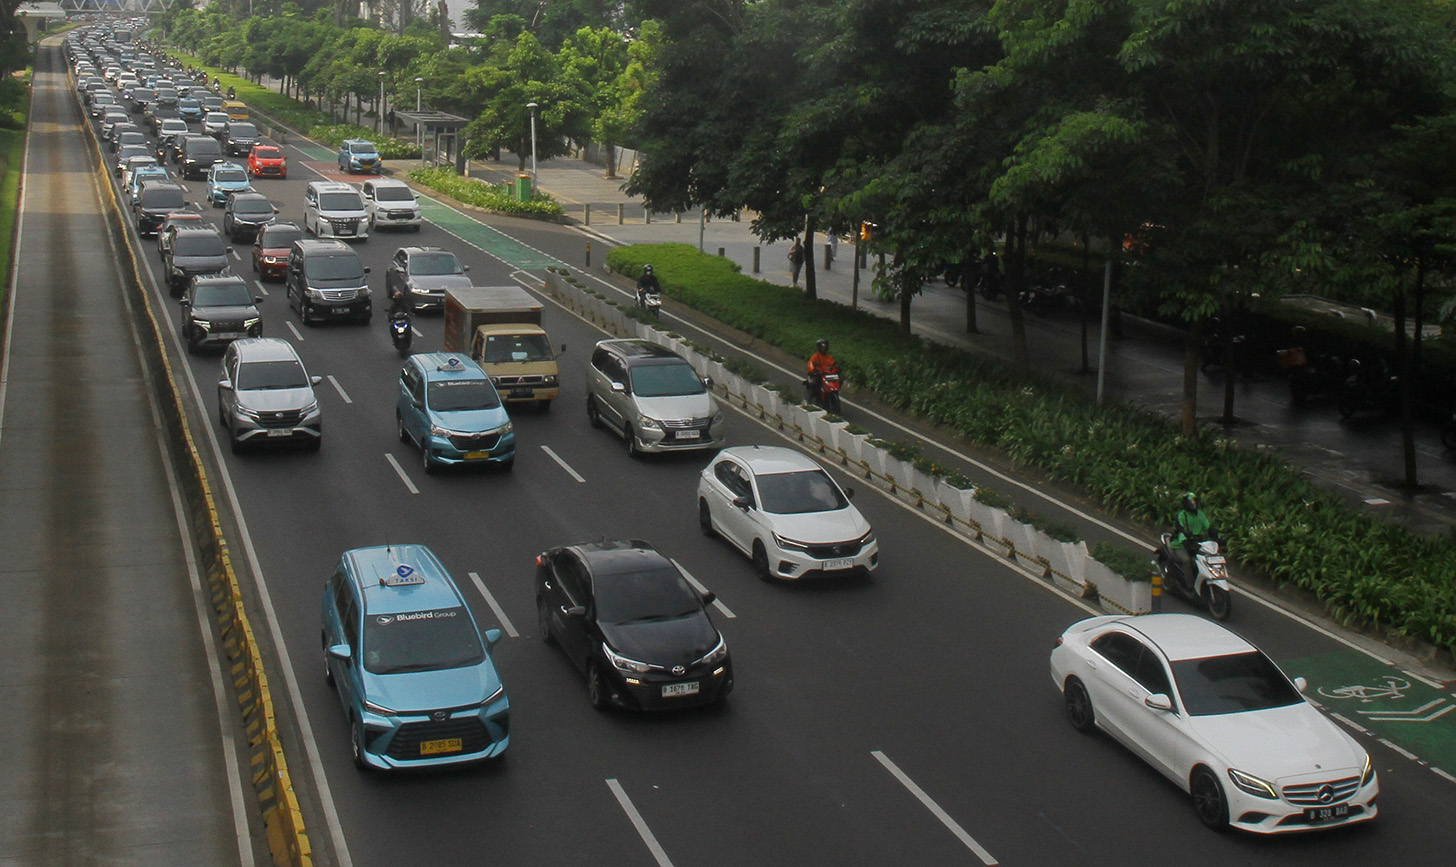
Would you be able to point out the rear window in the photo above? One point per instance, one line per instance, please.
(203, 147)
(200, 244)
(281, 237)
(166, 198)
(243, 130)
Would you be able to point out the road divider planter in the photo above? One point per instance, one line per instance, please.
(1067, 565)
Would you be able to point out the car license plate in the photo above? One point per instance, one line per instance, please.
(228, 335)
(280, 432)
(477, 455)
(447, 745)
(339, 311)
(677, 689)
(1325, 814)
(522, 393)
(348, 230)
(687, 434)
(838, 564)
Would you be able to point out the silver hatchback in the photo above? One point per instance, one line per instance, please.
(265, 395)
(652, 397)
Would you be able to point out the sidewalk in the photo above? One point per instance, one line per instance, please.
(1360, 459)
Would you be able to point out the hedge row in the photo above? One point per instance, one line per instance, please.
(499, 197)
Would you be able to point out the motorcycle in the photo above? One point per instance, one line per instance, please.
(824, 390)
(401, 333)
(1209, 588)
(651, 302)
(1323, 375)
(1369, 388)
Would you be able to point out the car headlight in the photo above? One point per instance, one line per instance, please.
(203, 324)
(378, 708)
(647, 423)
(1253, 785)
(490, 699)
(548, 379)
(363, 291)
(1367, 775)
(249, 323)
(716, 654)
(622, 663)
(437, 431)
(245, 412)
(310, 409)
(273, 260)
(867, 539)
(717, 419)
(504, 429)
(790, 544)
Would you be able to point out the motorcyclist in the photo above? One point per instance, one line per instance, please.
(1190, 527)
(646, 285)
(820, 363)
(400, 300)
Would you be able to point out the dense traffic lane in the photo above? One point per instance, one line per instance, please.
(939, 663)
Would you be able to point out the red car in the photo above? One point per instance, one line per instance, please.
(270, 249)
(267, 161)
(173, 218)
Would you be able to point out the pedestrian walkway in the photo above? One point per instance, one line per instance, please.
(1361, 459)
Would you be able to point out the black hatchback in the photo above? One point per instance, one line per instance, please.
(626, 616)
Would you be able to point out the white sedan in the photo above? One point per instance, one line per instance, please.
(781, 508)
(1215, 715)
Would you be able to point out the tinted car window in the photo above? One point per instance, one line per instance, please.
(230, 175)
(203, 147)
(517, 347)
(271, 374)
(200, 244)
(456, 395)
(226, 295)
(663, 380)
(347, 267)
(243, 130)
(798, 493)
(162, 198)
(282, 236)
(421, 641)
(1234, 683)
(434, 264)
(340, 202)
(253, 206)
(397, 194)
(657, 594)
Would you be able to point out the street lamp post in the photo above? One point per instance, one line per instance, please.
(419, 128)
(533, 106)
(381, 102)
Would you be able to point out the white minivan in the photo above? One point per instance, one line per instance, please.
(334, 210)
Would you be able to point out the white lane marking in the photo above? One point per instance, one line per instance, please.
(1442, 773)
(262, 288)
(1427, 681)
(294, 329)
(637, 822)
(1349, 722)
(500, 613)
(1397, 748)
(399, 469)
(339, 389)
(934, 808)
(234, 253)
(557, 458)
(701, 589)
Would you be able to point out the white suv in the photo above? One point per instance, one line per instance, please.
(334, 210)
(391, 204)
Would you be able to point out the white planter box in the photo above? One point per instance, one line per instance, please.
(1066, 560)
(992, 521)
(1116, 594)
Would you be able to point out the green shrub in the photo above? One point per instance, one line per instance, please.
(1130, 564)
(988, 496)
(495, 198)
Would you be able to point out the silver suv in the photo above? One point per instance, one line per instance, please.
(651, 397)
(265, 395)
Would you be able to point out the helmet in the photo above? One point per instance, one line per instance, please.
(822, 345)
(646, 269)
(1190, 502)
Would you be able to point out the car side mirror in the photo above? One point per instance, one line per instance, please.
(467, 267)
(744, 503)
(257, 299)
(563, 349)
(848, 492)
(1301, 684)
(708, 382)
(619, 387)
(366, 269)
(341, 652)
(492, 637)
(316, 379)
(225, 384)
(576, 611)
(1159, 701)
(709, 597)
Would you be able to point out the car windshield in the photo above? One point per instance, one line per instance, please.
(198, 244)
(342, 267)
(1232, 684)
(252, 206)
(462, 395)
(340, 202)
(260, 375)
(188, 103)
(421, 641)
(799, 492)
(663, 380)
(394, 194)
(215, 117)
(222, 295)
(162, 199)
(242, 130)
(203, 147)
(517, 347)
(434, 264)
(268, 153)
(363, 150)
(229, 176)
(172, 127)
(281, 237)
(655, 594)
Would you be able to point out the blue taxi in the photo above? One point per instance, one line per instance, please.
(224, 179)
(448, 407)
(409, 663)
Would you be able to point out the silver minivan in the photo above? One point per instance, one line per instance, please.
(334, 210)
(652, 398)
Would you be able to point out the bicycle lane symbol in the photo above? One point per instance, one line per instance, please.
(1390, 687)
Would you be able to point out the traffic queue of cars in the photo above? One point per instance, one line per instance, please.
(410, 665)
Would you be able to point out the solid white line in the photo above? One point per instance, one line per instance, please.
(399, 469)
(1351, 723)
(934, 808)
(500, 613)
(296, 335)
(1412, 756)
(339, 389)
(701, 589)
(1443, 774)
(637, 822)
(557, 458)
(1426, 680)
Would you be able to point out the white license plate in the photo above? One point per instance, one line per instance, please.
(838, 564)
(229, 335)
(280, 432)
(339, 311)
(687, 434)
(676, 689)
(1326, 814)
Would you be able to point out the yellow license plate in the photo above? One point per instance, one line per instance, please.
(477, 455)
(448, 745)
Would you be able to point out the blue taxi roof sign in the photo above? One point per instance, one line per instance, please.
(403, 576)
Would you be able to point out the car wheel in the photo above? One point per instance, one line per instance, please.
(593, 415)
(1079, 706)
(631, 437)
(597, 691)
(1208, 799)
(399, 426)
(255, 265)
(429, 465)
(543, 623)
(222, 414)
(237, 444)
(760, 562)
(705, 518)
(1349, 404)
(356, 744)
(328, 672)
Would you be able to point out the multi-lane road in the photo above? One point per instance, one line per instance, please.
(904, 719)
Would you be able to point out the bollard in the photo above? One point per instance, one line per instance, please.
(588, 254)
(1157, 591)
(735, 216)
(679, 217)
(756, 252)
(621, 210)
(586, 215)
(647, 216)
(721, 254)
(828, 256)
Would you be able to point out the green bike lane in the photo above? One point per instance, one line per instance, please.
(1409, 713)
